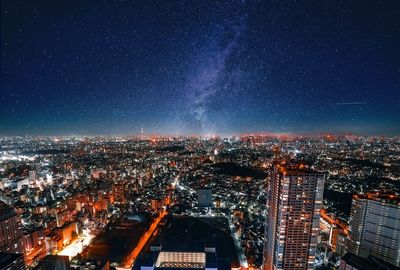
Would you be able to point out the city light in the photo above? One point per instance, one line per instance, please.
(208, 135)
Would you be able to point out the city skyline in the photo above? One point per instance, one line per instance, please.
(205, 68)
(214, 135)
(245, 202)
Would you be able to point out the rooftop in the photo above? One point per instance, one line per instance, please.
(54, 258)
(192, 242)
(6, 211)
(181, 260)
(383, 197)
(294, 168)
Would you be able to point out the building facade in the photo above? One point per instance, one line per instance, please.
(294, 201)
(375, 226)
(351, 261)
(119, 190)
(55, 262)
(11, 234)
(12, 261)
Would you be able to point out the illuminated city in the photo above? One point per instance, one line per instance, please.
(162, 135)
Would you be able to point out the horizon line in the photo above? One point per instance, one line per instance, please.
(221, 135)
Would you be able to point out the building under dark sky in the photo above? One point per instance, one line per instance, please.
(291, 229)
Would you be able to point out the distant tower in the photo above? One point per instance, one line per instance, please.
(142, 133)
(293, 203)
(375, 226)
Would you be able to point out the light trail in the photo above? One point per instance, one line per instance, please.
(130, 259)
(349, 103)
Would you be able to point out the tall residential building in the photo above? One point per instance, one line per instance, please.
(375, 226)
(11, 235)
(293, 205)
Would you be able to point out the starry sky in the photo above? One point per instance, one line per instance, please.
(199, 67)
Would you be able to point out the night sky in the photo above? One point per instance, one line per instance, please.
(199, 67)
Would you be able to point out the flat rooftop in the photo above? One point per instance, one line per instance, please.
(181, 260)
(182, 243)
(294, 169)
(383, 197)
(54, 258)
(6, 211)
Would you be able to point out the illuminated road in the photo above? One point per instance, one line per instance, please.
(239, 249)
(31, 254)
(176, 181)
(130, 259)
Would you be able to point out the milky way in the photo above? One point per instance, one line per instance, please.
(209, 76)
(204, 67)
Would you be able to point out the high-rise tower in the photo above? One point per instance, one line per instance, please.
(11, 235)
(291, 230)
(375, 226)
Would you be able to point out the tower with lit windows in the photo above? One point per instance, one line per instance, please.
(294, 200)
(11, 235)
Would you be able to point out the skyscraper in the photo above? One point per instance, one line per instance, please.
(375, 226)
(293, 204)
(11, 235)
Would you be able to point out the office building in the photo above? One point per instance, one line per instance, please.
(294, 199)
(11, 234)
(375, 226)
(351, 261)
